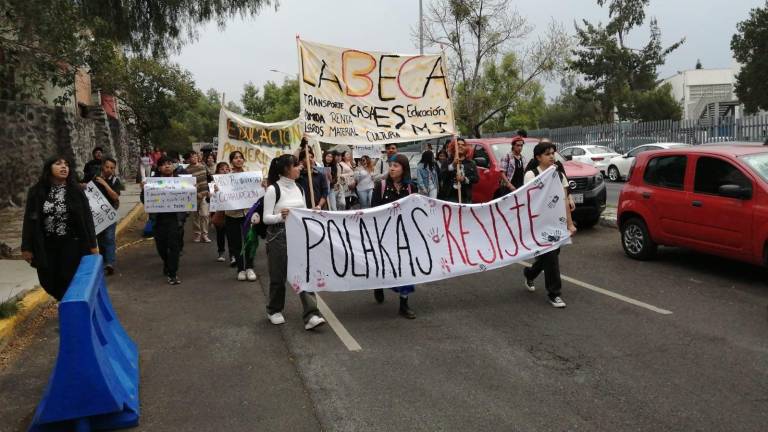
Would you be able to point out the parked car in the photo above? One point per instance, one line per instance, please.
(595, 155)
(618, 167)
(586, 182)
(709, 198)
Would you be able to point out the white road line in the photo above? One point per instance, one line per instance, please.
(604, 291)
(337, 326)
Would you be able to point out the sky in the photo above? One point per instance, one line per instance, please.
(248, 48)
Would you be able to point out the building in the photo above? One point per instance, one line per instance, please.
(706, 93)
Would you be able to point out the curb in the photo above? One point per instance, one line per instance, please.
(609, 221)
(34, 300)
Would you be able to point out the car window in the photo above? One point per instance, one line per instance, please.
(600, 150)
(666, 171)
(579, 152)
(567, 152)
(711, 173)
(759, 164)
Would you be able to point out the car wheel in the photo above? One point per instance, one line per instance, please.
(636, 240)
(613, 174)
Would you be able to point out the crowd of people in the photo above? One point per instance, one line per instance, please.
(58, 228)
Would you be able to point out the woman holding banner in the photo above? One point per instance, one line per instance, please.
(58, 227)
(549, 263)
(397, 185)
(233, 222)
(283, 194)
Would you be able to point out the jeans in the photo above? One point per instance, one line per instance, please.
(107, 245)
(146, 171)
(277, 257)
(168, 243)
(365, 198)
(332, 200)
(549, 263)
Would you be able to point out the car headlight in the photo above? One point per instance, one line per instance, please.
(598, 179)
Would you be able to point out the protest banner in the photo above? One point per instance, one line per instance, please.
(102, 211)
(259, 142)
(419, 239)
(236, 191)
(350, 96)
(170, 194)
(373, 151)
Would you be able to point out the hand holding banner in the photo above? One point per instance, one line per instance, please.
(102, 211)
(170, 194)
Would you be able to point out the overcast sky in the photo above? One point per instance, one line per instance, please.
(247, 49)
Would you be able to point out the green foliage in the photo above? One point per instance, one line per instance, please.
(750, 48)
(617, 75)
(9, 308)
(655, 104)
(574, 107)
(272, 103)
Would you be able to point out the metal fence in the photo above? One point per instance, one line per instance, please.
(621, 137)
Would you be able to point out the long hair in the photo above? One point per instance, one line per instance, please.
(235, 153)
(334, 166)
(403, 162)
(219, 166)
(44, 182)
(278, 167)
(428, 160)
(539, 150)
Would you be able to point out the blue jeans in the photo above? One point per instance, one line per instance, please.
(365, 198)
(107, 245)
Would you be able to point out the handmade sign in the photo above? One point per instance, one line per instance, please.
(354, 97)
(418, 239)
(170, 194)
(102, 211)
(236, 191)
(373, 151)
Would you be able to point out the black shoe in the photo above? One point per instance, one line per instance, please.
(173, 280)
(378, 294)
(405, 310)
(232, 262)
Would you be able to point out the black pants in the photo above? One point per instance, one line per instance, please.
(221, 239)
(235, 240)
(549, 263)
(277, 257)
(168, 242)
(63, 255)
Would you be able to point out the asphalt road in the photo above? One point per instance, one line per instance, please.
(483, 354)
(614, 190)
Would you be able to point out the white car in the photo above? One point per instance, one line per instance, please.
(595, 155)
(618, 167)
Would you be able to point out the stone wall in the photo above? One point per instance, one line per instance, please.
(30, 133)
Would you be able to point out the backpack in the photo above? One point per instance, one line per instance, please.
(258, 208)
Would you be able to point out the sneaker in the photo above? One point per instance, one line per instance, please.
(109, 270)
(221, 258)
(196, 238)
(173, 280)
(205, 238)
(250, 275)
(556, 302)
(314, 321)
(276, 318)
(232, 261)
(241, 276)
(529, 285)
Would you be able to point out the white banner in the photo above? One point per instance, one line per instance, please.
(102, 211)
(170, 194)
(236, 191)
(259, 142)
(373, 151)
(418, 239)
(354, 97)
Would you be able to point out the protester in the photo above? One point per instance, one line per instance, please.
(512, 168)
(110, 186)
(346, 184)
(145, 164)
(332, 178)
(461, 175)
(283, 172)
(397, 185)
(221, 230)
(210, 163)
(549, 263)
(167, 228)
(58, 227)
(234, 221)
(382, 166)
(156, 155)
(201, 217)
(92, 168)
(318, 185)
(442, 165)
(364, 181)
(428, 175)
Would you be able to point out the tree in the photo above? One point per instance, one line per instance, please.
(478, 32)
(655, 104)
(573, 107)
(272, 103)
(750, 48)
(616, 73)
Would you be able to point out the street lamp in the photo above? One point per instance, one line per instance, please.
(285, 73)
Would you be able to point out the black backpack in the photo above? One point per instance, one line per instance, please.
(258, 208)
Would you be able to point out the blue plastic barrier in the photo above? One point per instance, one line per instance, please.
(95, 382)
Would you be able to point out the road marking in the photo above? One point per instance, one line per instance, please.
(604, 291)
(337, 326)
(132, 243)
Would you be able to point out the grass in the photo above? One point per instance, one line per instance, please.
(9, 308)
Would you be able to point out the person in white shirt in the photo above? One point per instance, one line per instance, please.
(364, 181)
(283, 194)
(381, 170)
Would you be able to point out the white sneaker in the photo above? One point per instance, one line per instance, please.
(529, 285)
(313, 322)
(276, 318)
(241, 276)
(221, 258)
(557, 302)
(250, 274)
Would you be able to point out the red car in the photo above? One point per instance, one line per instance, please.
(586, 182)
(709, 198)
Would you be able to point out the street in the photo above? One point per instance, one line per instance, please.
(679, 343)
(614, 190)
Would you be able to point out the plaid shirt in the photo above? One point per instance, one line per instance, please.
(508, 165)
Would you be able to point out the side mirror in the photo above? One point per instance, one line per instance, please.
(625, 155)
(735, 191)
(481, 162)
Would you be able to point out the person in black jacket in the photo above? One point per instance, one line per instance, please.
(463, 174)
(58, 227)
